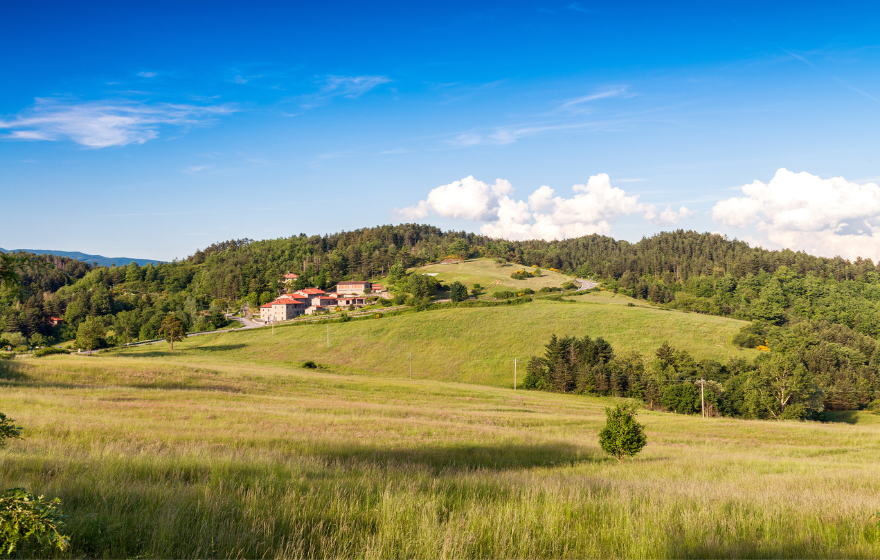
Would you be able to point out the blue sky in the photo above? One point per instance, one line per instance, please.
(152, 130)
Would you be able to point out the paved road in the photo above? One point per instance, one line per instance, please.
(585, 284)
(245, 322)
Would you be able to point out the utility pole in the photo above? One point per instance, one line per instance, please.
(514, 374)
(702, 382)
(410, 367)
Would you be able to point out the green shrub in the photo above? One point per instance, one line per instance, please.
(569, 286)
(15, 339)
(522, 275)
(622, 436)
(24, 516)
(751, 336)
(8, 430)
(458, 292)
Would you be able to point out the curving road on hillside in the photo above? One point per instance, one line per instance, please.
(585, 284)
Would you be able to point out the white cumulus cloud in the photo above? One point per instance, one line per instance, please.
(100, 124)
(801, 211)
(545, 215)
(666, 217)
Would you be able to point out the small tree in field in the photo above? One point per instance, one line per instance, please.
(172, 329)
(622, 436)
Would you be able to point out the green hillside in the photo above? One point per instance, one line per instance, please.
(185, 456)
(468, 345)
(490, 276)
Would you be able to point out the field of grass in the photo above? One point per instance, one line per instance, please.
(492, 277)
(475, 345)
(174, 457)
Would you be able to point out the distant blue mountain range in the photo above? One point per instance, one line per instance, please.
(102, 261)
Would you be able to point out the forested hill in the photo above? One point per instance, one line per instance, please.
(684, 269)
(239, 266)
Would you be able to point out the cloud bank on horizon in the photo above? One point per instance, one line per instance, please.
(804, 212)
(799, 211)
(592, 209)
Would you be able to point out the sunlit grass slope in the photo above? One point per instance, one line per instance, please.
(493, 277)
(160, 458)
(468, 345)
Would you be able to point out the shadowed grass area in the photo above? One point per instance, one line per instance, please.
(467, 345)
(171, 457)
(861, 417)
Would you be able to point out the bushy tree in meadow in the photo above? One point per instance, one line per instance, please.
(172, 329)
(421, 286)
(458, 291)
(90, 334)
(622, 435)
(781, 388)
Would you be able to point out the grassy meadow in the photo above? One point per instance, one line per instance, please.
(491, 276)
(172, 456)
(465, 345)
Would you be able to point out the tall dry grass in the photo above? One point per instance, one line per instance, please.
(154, 458)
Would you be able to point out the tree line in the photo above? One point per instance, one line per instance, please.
(817, 367)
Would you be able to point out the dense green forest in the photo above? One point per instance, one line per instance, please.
(822, 312)
(815, 367)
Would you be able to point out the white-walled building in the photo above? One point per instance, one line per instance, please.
(353, 287)
(283, 309)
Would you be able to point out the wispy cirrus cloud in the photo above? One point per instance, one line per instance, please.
(341, 86)
(559, 118)
(502, 135)
(105, 123)
(577, 104)
(147, 74)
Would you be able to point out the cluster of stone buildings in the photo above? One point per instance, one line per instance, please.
(313, 300)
